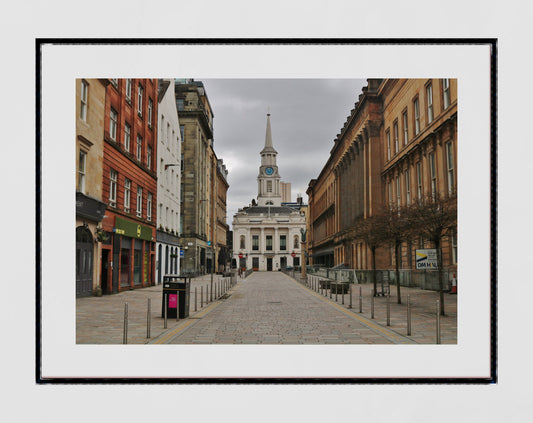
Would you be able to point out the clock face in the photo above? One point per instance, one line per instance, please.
(269, 171)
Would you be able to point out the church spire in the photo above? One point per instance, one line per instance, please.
(269, 148)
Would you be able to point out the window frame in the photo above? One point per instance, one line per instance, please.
(82, 169)
(127, 195)
(113, 122)
(150, 112)
(283, 245)
(429, 103)
(84, 99)
(138, 153)
(407, 188)
(419, 187)
(416, 106)
(396, 137)
(433, 173)
(149, 207)
(139, 211)
(140, 100)
(269, 242)
(405, 118)
(113, 184)
(127, 137)
(387, 137)
(255, 242)
(129, 85)
(445, 93)
(450, 171)
(149, 157)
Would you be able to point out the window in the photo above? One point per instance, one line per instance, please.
(398, 193)
(445, 93)
(113, 117)
(139, 202)
(140, 101)
(419, 180)
(182, 132)
(127, 195)
(128, 90)
(407, 188)
(405, 129)
(139, 147)
(283, 242)
(243, 243)
(454, 246)
(269, 186)
(389, 187)
(81, 171)
(149, 207)
(113, 177)
(433, 171)
(269, 242)
(149, 157)
(127, 137)
(429, 101)
(396, 142)
(388, 145)
(296, 241)
(150, 107)
(160, 216)
(255, 242)
(83, 100)
(180, 104)
(417, 116)
(449, 159)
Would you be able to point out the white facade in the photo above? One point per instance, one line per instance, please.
(168, 183)
(267, 237)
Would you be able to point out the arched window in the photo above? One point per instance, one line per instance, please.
(243, 243)
(296, 242)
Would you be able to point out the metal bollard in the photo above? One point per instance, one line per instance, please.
(195, 298)
(336, 291)
(343, 295)
(408, 315)
(148, 318)
(330, 291)
(177, 307)
(388, 310)
(125, 335)
(350, 306)
(360, 300)
(438, 321)
(372, 305)
(207, 294)
(165, 310)
(201, 296)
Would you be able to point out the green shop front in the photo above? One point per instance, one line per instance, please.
(133, 263)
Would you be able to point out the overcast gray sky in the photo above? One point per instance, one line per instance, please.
(306, 116)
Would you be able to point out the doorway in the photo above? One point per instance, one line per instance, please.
(269, 265)
(283, 262)
(105, 268)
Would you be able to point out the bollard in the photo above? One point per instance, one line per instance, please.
(165, 310)
(438, 322)
(372, 305)
(195, 298)
(201, 296)
(177, 307)
(408, 315)
(388, 310)
(360, 300)
(148, 318)
(125, 337)
(330, 291)
(350, 306)
(336, 291)
(207, 294)
(343, 295)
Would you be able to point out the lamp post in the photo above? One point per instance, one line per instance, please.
(302, 245)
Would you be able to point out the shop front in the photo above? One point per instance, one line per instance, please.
(133, 256)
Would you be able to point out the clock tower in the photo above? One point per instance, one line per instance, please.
(269, 190)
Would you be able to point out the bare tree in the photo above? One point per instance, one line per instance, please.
(433, 217)
(394, 227)
(368, 230)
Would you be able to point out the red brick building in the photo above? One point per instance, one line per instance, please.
(129, 186)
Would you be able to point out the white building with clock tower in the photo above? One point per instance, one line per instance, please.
(266, 236)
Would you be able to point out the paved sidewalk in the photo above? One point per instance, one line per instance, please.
(100, 320)
(423, 310)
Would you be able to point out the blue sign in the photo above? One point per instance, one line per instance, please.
(182, 253)
(208, 243)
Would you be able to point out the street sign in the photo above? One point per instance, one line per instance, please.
(293, 254)
(426, 259)
(182, 253)
(209, 243)
(240, 255)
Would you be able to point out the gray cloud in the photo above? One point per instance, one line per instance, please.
(306, 116)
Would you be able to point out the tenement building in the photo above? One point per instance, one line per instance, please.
(90, 103)
(266, 235)
(398, 145)
(201, 185)
(129, 184)
(168, 182)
